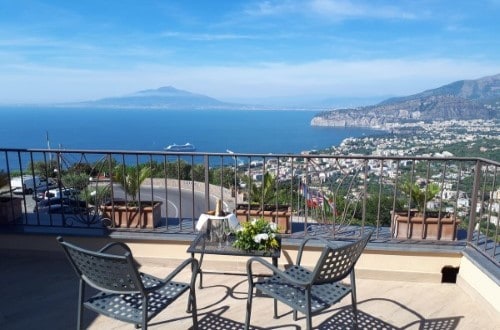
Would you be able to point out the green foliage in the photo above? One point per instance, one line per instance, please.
(257, 234)
(131, 178)
(4, 181)
(268, 192)
(80, 168)
(103, 166)
(223, 176)
(98, 196)
(420, 196)
(4, 178)
(44, 169)
(176, 169)
(75, 180)
(198, 173)
(372, 212)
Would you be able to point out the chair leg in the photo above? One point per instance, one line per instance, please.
(145, 312)
(354, 301)
(81, 295)
(194, 311)
(309, 322)
(249, 306)
(308, 310)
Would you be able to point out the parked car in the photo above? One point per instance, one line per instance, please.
(25, 184)
(61, 205)
(70, 193)
(44, 186)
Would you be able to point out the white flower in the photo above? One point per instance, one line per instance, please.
(254, 221)
(273, 226)
(260, 237)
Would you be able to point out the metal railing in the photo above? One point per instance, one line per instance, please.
(439, 200)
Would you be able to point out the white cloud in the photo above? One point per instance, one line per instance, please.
(206, 36)
(338, 9)
(331, 9)
(268, 8)
(322, 78)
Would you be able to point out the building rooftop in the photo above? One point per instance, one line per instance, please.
(39, 291)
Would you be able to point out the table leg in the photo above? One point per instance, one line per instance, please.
(200, 272)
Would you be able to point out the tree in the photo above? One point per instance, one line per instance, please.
(75, 180)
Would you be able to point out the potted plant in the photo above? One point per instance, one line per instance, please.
(419, 223)
(261, 204)
(132, 213)
(10, 208)
(257, 235)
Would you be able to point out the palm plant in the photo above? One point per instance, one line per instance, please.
(266, 192)
(131, 178)
(418, 195)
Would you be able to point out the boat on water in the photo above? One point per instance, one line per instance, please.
(181, 147)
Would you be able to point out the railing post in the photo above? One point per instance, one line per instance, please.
(473, 208)
(207, 183)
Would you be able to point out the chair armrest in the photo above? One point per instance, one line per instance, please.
(274, 269)
(119, 244)
(194, 268)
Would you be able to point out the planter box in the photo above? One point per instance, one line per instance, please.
(10, 210)
(431, 227)
(148, 215)
(280, 216)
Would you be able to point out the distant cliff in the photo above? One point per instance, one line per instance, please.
(466, 99)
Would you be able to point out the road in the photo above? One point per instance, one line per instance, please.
(183, 203)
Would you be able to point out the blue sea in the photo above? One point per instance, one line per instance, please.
(241, 131)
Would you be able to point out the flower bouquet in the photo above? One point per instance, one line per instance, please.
(257, 234)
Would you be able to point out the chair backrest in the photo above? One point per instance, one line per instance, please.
(336, 262)
(103, 271)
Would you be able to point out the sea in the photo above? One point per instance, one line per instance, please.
(240, 131)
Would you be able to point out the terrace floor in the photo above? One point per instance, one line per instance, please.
(40, 292)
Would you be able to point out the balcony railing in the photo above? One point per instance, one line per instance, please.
(439, 200)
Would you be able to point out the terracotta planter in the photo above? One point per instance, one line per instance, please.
(10, 210)
(281, 215)
(432, 227)
(148, 215)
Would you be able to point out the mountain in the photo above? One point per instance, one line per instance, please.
(460, 100)
(161, 98)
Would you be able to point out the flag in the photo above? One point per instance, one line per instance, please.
(304, 190)
(310, 200)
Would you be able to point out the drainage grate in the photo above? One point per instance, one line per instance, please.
(449, 274)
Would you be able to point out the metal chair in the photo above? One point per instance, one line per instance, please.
(311, 291)
(125, 293)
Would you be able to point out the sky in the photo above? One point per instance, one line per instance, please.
(243, 51)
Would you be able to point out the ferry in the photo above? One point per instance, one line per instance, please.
(188, 147)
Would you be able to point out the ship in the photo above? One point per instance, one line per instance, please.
(181, 147)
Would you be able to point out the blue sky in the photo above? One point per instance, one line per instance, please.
(243, 51)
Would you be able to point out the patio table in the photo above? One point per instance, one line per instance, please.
(202, 245)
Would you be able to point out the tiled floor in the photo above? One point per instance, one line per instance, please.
(40, 292)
